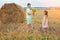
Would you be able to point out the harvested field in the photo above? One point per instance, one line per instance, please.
(17, 31)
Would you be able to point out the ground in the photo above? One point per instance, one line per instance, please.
(20, 32)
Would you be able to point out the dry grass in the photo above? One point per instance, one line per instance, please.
(20, 33)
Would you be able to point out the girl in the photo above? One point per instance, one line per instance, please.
(45, 21)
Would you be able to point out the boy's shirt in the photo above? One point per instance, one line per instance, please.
(27, 12)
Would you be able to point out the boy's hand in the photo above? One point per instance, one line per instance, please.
(30, 13)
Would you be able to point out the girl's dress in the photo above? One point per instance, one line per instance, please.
(46, 22)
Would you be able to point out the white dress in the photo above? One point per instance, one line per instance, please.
(46, 23)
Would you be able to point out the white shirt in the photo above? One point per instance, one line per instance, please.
(27, 11)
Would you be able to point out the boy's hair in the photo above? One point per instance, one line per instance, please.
(28, 4)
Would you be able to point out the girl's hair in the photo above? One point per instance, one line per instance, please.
(46, 12)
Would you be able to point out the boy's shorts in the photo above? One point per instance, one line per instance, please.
(29, 20)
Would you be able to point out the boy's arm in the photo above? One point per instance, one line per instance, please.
(30, 13)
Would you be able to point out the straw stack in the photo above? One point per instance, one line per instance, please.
(12, 13)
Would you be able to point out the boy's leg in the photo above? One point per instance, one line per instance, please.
(28, 27)
(29, 24)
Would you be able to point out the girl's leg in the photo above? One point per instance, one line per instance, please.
(45, 29)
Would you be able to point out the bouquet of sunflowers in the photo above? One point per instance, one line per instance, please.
(33, 10)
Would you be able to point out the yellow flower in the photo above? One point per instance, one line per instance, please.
(33, 9)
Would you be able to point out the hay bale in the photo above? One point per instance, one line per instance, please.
(11, 16)
(12, 13)
(0, 15)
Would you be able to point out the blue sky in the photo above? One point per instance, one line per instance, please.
(35, 3)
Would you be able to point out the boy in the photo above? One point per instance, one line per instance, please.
(28, 16)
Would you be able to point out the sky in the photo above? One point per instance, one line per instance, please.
(34, 3)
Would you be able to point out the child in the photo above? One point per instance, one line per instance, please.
(45, 21)
(28, 16)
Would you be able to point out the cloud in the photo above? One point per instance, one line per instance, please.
(35, 3)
